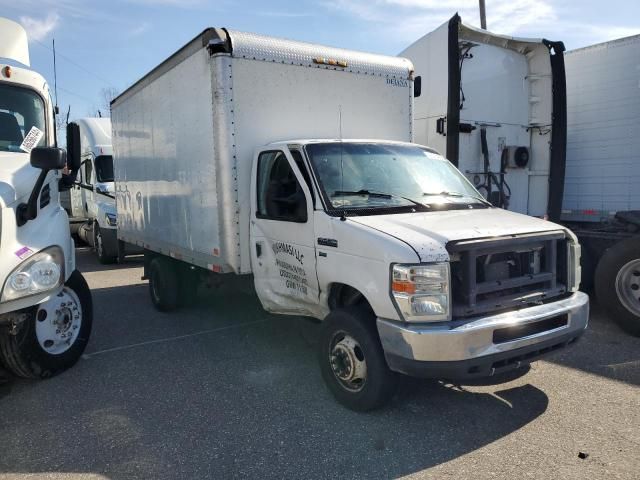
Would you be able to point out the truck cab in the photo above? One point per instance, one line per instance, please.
(454, 287)
(45, 303)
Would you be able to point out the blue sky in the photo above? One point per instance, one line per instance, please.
(112, 43)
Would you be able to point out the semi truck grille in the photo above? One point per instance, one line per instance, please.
(500, 274)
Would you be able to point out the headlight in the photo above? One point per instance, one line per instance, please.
(111, 219)
(421, 292)
(40, 273)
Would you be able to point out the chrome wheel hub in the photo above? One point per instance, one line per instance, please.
(58, 322)
(628, 286)
(348, 363)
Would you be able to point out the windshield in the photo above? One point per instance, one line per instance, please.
(378, 175)
(20, 110)
(104, 168)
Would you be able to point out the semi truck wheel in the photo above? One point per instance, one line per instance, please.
(53, 336)
(163, 284)
(104, 256)
(352, 361)
(618, 284)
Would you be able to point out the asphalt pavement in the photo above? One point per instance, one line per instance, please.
(222, 389)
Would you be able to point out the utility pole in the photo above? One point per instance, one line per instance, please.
(483, 16)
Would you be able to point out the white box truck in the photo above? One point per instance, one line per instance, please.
(231, 158)
(92, 197)
(602, 181)
(506, 116)
(45, 304)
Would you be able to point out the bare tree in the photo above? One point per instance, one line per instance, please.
(106, 95)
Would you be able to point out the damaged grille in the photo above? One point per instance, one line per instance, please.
(491, 275)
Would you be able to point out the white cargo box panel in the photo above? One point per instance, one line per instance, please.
(473, 79)
(184, 136)
(603, 130)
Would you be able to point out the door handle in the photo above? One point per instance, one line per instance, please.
(258, 249)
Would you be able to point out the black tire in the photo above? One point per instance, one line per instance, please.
(121, 251)
(380, 383)
(23, 355)
(164, 287)
(609, 266)
(104, 257)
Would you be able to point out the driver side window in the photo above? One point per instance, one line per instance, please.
(88, 168)
(279, 195)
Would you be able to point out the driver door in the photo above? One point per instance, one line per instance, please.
(283, 257)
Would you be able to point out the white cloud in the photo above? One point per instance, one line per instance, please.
(407, 20)
(139, 29)
(38, 29)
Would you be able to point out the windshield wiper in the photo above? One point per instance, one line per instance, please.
(457, 195)
(340, 193)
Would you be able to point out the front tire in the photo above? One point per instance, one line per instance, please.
(104, 257)
(617, 283)
(53, 335)
(352, 360)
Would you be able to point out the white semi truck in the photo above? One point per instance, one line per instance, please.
(45, 304)
(93, 205)
(231, 158)
(499, 105)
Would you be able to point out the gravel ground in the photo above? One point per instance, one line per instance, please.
(222, 389)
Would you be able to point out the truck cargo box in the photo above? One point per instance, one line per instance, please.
(185, 134)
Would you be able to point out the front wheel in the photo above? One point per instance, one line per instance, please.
(53, 335)
(104, 257)
(352, 361)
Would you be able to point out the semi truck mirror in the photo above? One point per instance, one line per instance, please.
(73, 146)
(417, 86)
(48, 158)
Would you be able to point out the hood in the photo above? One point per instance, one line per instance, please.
(429, 232)
(17, 177)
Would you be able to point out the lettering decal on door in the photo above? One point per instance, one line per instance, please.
(279, 247)
(293, 276)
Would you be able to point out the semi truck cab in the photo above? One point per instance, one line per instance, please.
(45, 303)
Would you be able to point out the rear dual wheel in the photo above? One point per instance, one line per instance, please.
(172, 284)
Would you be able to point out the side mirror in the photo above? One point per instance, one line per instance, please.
(48, 158)
(73, 146)
(417, 86)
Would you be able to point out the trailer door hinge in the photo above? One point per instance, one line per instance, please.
(441, 126)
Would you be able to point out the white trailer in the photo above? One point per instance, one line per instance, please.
(602, 185)
(232, 158)
(92, 198)
(45, 303)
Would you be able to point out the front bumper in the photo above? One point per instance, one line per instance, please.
(483, 346)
